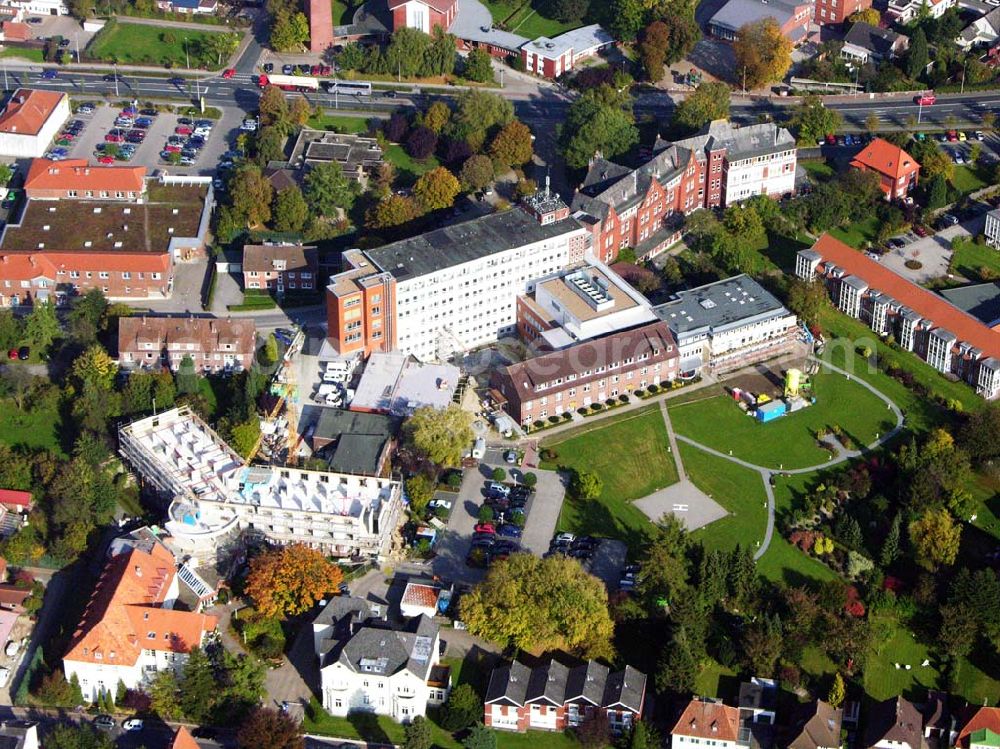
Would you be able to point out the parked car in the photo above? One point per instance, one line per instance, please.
(948, 219)
(962, 136)
(109, 159)
(114, 137)
(952, 136)
(510, 456)
(444, 504)
(498, 489)
(12, 354)
(510, 530)
(268, 67)
(287, 69)
(920, 231)
(304, 68)
(12, 649)
(182, 130)
(484, 528)
(144, 122)
(132, 724)
(104, 723)
(148, 112)
(979, 135)
(184, 121)
(567, 538)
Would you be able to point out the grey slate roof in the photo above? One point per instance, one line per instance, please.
(552, 682)
(872, 38)
(813, 725)
(981, 300)
(736, 13)
(895, 719)
(384, 652)
(717, 305)
(464, 242)
(360, 437)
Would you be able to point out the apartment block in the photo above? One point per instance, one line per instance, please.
(280, 267)
(726, 325)
(589, 372)
(214, 495)
(642, 208)
(449, 290)
(130, 629)
(554, 697)
(949, 339)
(59, 248)
(837, 11)
(213, 345)
(73, 179)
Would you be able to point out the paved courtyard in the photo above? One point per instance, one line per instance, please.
(684, 500)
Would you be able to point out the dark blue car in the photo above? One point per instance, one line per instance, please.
(511, 531)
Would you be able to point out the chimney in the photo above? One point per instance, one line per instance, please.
(138, 571)
(31, 259)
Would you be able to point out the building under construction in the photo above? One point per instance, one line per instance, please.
(215, 495)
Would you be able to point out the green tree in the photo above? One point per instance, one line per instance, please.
(436, 189)
(439, 59)
(81, 10)
(665, 570)
(251, 195)
(269, 145)
(653, 50)
(477, 114)
(436, 116)
(417, 734)
(70, 736)
(268, 353)
(393, 210)
(327, 189)
(710, 101)
(478, 66)
(290, 580)
(273, 109)
(642, 736)
(626, 18)
(42, 326)
(442, 436)
(406, 52)
(463, 708)
(935, 537)
(290, 210)
(586, 485)
(245, 436)
(187, 377)
(512, 146)
(918, 56)
(480, 737)
(95, 368)
(477, 172)
(937, 193)
(807, 300)
(812, 120)
(199, 687)
(837, 691)
(890, 547)
(600, 120)
(763, 53)
(541, 604)
(289, 32)
(12, 328)
(164, 695)
(420, 491)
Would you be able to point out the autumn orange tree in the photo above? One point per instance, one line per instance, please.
(290, 580)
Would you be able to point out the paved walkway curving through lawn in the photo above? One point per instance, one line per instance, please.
(767, 473)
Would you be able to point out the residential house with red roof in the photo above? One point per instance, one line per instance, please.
(280, 267)
(898, 170)
(76, 178)
(703, 721)
(554, 697)
(980, 729)
(12, 598)
(949, 339)
(213, 345)
(30, 120)
(425, 15)
(130, 630)
(184, 740)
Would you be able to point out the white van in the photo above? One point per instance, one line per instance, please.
(479, 449)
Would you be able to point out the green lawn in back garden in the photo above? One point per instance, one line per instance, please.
(630, 452)
(407, 167)
(977, 262)
(530, 23)
(858, 234)
(819, 170)
(33, 427)
(343, 12)
(788, 442)
(339, 123)
(967, 179)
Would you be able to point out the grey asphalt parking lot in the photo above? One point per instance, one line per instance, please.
(147, 154)
(608, 561)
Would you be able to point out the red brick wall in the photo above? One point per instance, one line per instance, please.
(377, 328)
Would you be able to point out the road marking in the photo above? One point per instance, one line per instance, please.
(680, 508)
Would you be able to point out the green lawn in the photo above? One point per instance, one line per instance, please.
(631, 455)
(713, 680)
(407, 167)
(383, 730)
(339, 123)
(739, 490)
(882, 679)
(790, 441)
(34, 55)
(528, 22)
(34, 428)
(856, 235)
(977, 262)
(343, 13)
(139, 43)
(967, 180)
(501, 10)
(818, 169)
(781, 250)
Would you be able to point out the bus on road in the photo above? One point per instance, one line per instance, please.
(351, 88)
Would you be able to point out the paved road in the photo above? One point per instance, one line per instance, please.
(844, 455)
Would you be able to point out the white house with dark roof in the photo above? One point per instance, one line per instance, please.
(367, 666)
(553, 697)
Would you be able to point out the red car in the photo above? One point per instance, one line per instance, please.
(314, 70)
(952, 136)
(831, 139)
(113, 138)
(66, 136)
(171, 148)
(229, 73)
(182, 130)
(924, 100)
(325, 70)
(482, 527)
(920, 231)
(12, 354)
(106, 160)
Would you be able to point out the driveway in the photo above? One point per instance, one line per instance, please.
(933, 252)
(189, 279)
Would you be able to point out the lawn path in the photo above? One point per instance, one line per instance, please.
(681, 475)
(767, 473)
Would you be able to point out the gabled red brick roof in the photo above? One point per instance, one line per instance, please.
(17, 32)
(24, 266)
(920, 300)
(11, 595)
(77, 174)
(885, 158)
(28, 110)
(708, 720)
(184, 740)
(125, 614)
(978, 719)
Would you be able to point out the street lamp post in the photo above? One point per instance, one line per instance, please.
(187, 57)
(116, 80)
